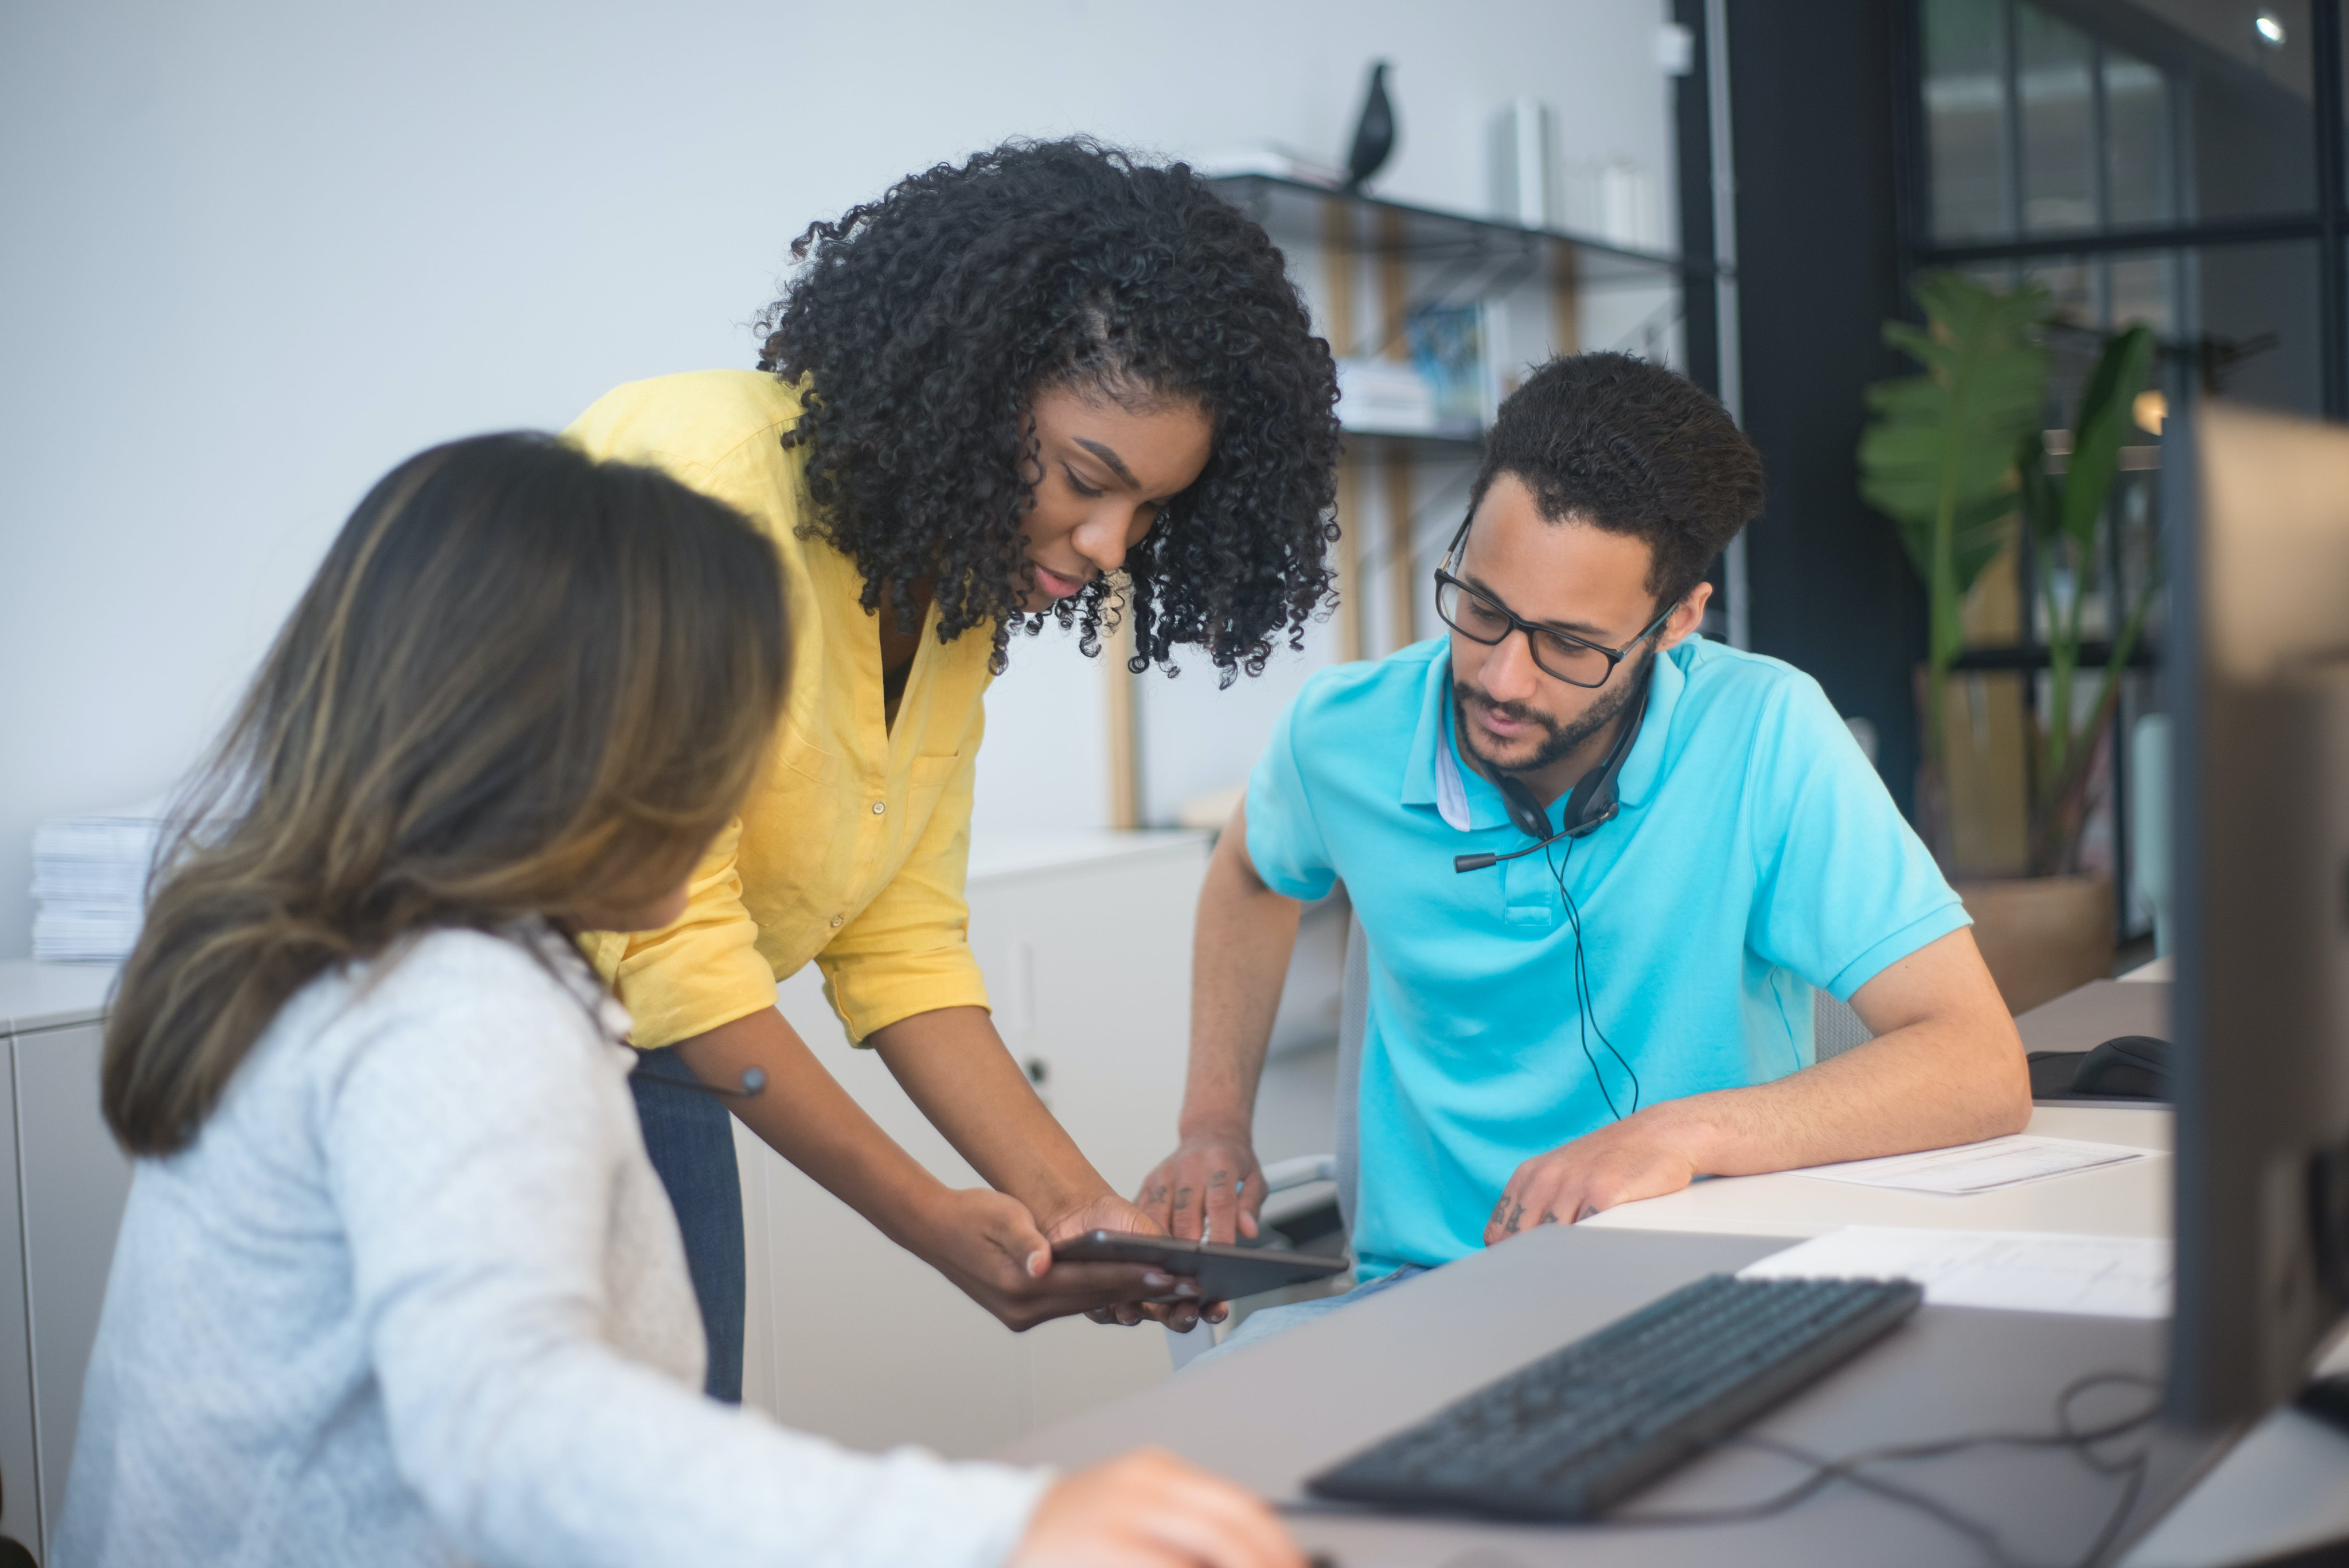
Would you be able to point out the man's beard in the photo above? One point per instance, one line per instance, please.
(1560, 740)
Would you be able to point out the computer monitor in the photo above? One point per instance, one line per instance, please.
(2256, 509)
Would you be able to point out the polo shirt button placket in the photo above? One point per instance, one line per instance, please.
(836, 920)
(878, 808)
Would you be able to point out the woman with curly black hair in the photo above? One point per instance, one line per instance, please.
(1051, 382)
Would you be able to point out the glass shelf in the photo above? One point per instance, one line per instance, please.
(1434, 448)
(1298, 209)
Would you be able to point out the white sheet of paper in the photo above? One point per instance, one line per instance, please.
(2020, 1270)
(1978, 1167)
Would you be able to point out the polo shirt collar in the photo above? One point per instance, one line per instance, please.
(1466, 800)
(1431, 773)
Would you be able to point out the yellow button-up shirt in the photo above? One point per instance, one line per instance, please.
(851, 849)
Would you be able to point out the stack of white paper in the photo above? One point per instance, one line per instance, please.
(1970, 1167)
(2020, 1270)
(89, 882)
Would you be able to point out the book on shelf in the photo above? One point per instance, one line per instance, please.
(89, 881)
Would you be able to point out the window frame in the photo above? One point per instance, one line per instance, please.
(2326, 223)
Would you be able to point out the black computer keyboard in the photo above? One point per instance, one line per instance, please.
(1565, 1437)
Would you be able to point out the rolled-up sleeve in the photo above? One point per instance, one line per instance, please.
(704, 970)
(908, 950)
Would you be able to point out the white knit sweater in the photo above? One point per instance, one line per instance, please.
(415, 1296)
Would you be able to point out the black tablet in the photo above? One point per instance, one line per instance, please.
(1224, 1273)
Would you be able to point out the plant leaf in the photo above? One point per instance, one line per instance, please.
(1982, 530)
(2102, 424)
(1936, 456)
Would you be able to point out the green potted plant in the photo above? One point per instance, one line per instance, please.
(1954, 457)
(1938, 459)
(2064, 514)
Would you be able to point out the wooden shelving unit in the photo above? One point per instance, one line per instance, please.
(1413, 255)
(1368, 263)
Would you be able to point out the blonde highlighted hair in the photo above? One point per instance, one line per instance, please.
(523, 683)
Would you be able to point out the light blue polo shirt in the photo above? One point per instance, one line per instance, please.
(1756, 856)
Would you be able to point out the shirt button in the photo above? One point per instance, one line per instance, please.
(878, 808)
(835, 922)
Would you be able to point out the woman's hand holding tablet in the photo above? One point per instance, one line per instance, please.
(1217, 1273)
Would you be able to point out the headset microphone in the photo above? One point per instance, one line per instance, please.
(1591, 806)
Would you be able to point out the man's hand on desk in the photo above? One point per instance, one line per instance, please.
(1210, 1189)
(1642, 1156)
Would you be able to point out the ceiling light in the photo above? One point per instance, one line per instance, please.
(2270, 29)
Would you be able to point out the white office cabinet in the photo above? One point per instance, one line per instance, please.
(63, 1185)
(1086, 940)
(20, 1492)
(76, 1183)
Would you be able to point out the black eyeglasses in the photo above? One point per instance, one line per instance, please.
(1482, 618)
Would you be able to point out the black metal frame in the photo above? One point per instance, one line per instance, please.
(2327, 222)
(2326, 225)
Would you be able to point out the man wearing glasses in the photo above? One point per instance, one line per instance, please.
(1626, 1004)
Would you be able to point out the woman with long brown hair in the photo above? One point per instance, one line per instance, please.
(397, 1284)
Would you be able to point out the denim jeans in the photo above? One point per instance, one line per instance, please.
(690, 1137)
(1263, 1325)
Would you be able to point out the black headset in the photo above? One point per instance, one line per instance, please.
(1591, 805)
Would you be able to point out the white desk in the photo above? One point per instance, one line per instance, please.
(1272, 1414)
(2285, 1487)
(2130, 1200)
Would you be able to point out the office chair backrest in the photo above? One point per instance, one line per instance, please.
(1353, 1007)
(1834, 1027)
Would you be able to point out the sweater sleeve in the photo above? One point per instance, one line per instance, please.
(477, 1139)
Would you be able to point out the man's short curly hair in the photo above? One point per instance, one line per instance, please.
(926, 323)
(1631, 448)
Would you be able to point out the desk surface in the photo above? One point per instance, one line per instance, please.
(2099, 1010)
(2130, 1200)
(2284, 1487)
(1270, 1416)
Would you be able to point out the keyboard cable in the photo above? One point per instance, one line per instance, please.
(1825, 1473)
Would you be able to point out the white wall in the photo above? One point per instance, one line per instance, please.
(254, 254)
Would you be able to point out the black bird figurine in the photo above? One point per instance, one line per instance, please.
(1374, 133)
